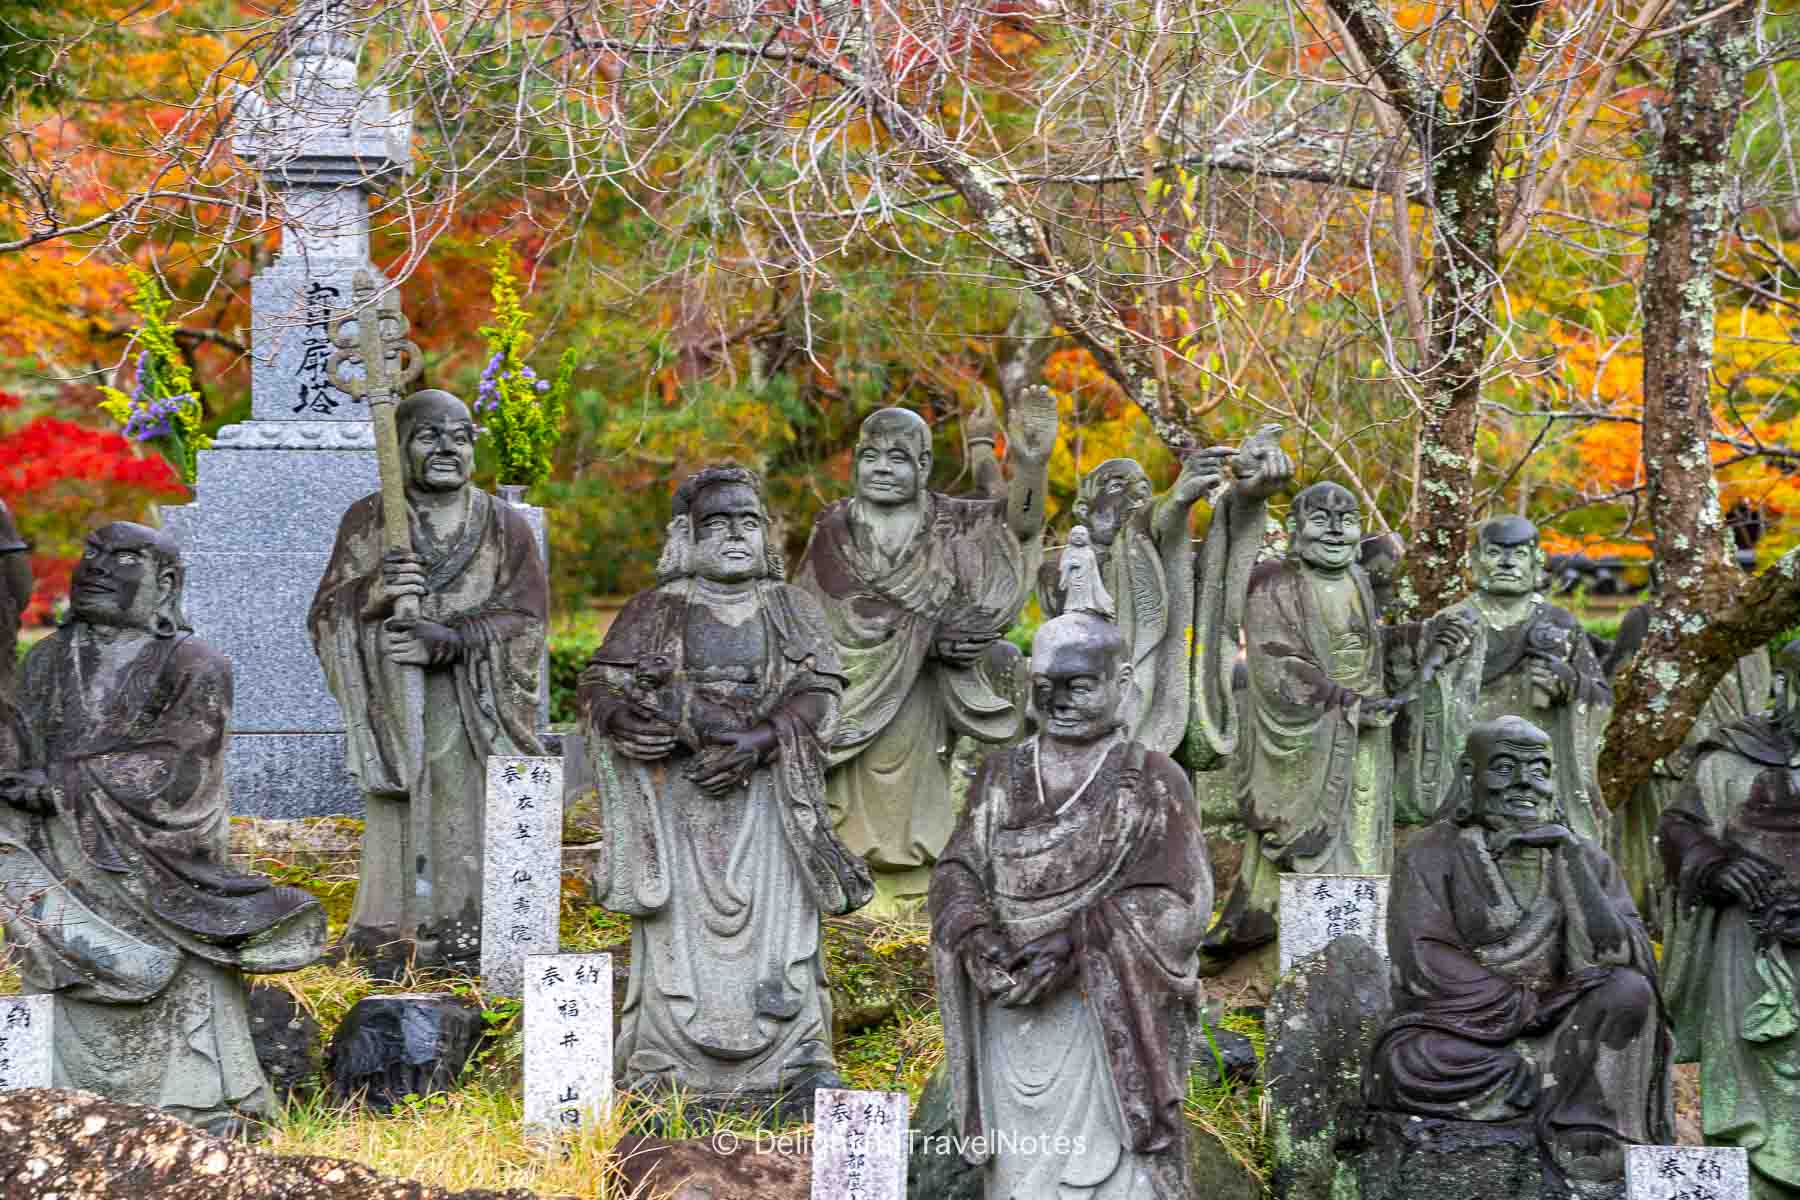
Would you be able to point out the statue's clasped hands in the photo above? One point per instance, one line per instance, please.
(410, 641)
(729, 758)
(1022, 975)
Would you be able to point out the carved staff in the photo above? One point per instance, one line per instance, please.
(373, 362)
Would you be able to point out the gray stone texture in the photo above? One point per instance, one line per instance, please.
(521, 874)
(1422, 1158)
(1322, 1022)
(1687, 1173)
(1316, 910)
(859, 1145)
(25, 1048)
(389, 1047)
(568, 1040)
(935, 1171)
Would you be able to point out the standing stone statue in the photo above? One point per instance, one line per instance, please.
(707, 711)
(1532, 660)
(482, 593)
(918, 589)
(1066, 915)
(116, 892)
(1315, 772)
(1732, 851)
(1524, 983)
(1179, 620)
(1744, 692)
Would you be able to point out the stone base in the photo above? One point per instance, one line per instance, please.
(1423, 1158)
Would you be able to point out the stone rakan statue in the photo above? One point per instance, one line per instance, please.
(1171, 610)
(1315, 769)
(1523, 981)
(1531, 659)
(1731, 845)
(115, 889)
(707, 711)
(1066, 915)
(918, 589)
(478, 639)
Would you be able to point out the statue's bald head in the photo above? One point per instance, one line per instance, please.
(1079, 674)
(1508, 774)
(437, 441)
(1325, 528)
(892, 460)
(1110, 495)
(432, 404)
(1505, 558)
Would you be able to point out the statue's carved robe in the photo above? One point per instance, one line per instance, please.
(1494, 680)
(489, 585)
(1179, 619)
(963, 573)
(1734, 1001)
(1516, 998)
(133, 918)
(1314, 791)
(727, 991)
(1103, 1062)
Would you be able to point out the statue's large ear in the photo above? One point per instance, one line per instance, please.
(167, 619)
(678, 541)
(924, 466)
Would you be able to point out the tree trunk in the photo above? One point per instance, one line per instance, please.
(1695, 631)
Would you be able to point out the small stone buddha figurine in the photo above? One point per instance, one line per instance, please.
(1731, 846)
(1532, 660)
(1066, 915)
(115, 889)
(707, 712)
(1524, 982)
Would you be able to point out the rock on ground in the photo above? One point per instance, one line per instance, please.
(79, 1146)
(705, 1170)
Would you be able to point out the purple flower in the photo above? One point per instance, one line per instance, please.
(543, 385)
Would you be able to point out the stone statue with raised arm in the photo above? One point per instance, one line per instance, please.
(707, 712)
(917, 589)
(1179, 616)
(1066, 916)
(116, 888)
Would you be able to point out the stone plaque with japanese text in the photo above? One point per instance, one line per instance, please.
(1318, 909)
(859, 1145)
(568, 1040)
(24, 1042)
(521, 890)
(1686, 1173)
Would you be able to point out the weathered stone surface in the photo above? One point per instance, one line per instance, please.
(390, 1046)
(1318, 909)
(1236, 1056)
(934, 1171)
(859, 1145)
(521, 869)
(1322, 1023)
(287, 1040)
(711, 1169)
(1216, 1174)
(1422, 1158)
(77, 1146)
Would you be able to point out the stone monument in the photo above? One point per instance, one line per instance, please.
(1315, 770)
(271, 490)
(429, 623)
(1179, 616)
(568, 1041)
(1731, 845)
(706, 712)
(26, 1050)
(859, 1145)
(115, 885)
(919, 589)
(1066, 916)
(521, 869)
(1524, 983)
(1531, 660)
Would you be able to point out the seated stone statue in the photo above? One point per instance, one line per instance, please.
(707, 711)
(1066, 916)
(1524, 983)
(1731, 846)
(115, 888)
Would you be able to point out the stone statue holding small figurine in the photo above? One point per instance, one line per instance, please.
(1066, 915)
(1532, 660)
(116, 889)
(1178, 617)
(1315, 772)
(1524, 983)
(475, 573)
(707, 712)
(918, 589)
(1731, 849)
